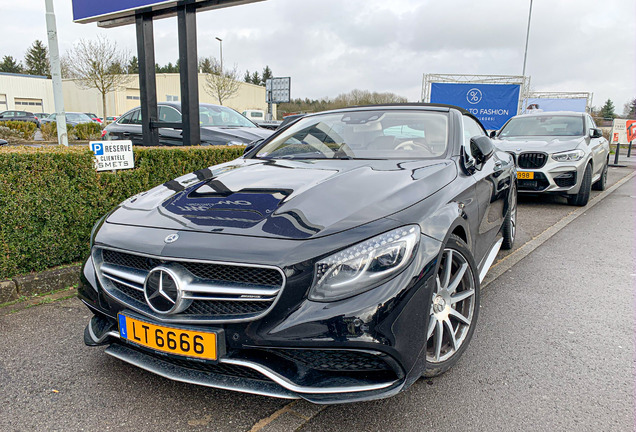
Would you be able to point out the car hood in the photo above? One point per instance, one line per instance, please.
(225, 134)
(285, 198)
(542, 144)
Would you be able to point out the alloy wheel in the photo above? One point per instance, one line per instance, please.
(452, 307)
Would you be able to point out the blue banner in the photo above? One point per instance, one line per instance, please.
(86, 9)
(492, 104)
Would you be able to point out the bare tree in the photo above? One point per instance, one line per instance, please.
(97, 64)
(219, 84)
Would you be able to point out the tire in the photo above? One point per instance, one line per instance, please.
(442, 350)
(601, 183)
(581, 199)
(509, 229)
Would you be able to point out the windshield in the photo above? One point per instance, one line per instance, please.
(557, 125)
(219, 116)
(373, 134)
(76, 117)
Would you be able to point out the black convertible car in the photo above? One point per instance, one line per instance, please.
(338, 260)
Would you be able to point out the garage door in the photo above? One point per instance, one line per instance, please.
(3, 102)
(30, 105)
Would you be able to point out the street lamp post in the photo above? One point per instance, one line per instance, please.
(525, 54)
(221, 52)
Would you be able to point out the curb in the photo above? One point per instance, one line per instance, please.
(506, 263)
(39, 283)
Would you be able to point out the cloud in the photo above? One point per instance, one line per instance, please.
(332, 46)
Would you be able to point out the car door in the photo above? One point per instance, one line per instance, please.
(119, 130)
(170, 136)
(491, 192)
(133, 130)
(597, 148)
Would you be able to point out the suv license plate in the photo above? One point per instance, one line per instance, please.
(169, 340)
(525, 175)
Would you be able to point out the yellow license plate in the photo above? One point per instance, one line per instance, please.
(169, 340)
(525, 175)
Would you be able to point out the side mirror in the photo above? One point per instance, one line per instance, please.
(596, 133)
(482, 149)
(251, 146)
(493, 134)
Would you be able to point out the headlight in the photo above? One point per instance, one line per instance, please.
(569, 156)
(364, 265)
(235, 143)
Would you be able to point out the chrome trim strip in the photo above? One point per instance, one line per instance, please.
(490, 259)
(175, 373)
(123, 282)
(184, 319)
(284, 382)
(220, 289)
(135, 276)
(193, 297)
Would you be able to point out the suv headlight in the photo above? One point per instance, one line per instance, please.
(568, 156)
(364, 265)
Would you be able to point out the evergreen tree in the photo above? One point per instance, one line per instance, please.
(11, 65)
(267, 74)
(256, 79)
(133, 66)
(37, 60)
(607, 111)
(206, 65)
(247, 78)
(629, 110)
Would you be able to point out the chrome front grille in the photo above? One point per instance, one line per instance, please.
(211, 291)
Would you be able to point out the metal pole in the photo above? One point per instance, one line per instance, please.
(629, 149)
(525, 54)
(618, 150)
(147, 78)
(221, 52)
(188, 70)
(56, 74)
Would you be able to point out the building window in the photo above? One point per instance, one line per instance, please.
(171, 98)
(132, 97)
(27, 102)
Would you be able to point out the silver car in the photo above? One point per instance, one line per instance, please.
(557, 152)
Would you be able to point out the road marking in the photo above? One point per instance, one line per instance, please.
(506, 263)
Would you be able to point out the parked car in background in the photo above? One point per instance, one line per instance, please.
(41, 115)
(560, 153)
(290, 119)
(3, 142)
(94, 117)
(72, 118)
(339, 260)
(111, 119)
(259, 118)
(13, 115)
(219, 126)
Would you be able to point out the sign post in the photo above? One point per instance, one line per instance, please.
(623, 132)
(278, 90)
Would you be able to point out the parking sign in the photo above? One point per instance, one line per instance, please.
(113, 155)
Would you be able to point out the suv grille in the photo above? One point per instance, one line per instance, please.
(211, 291)
(532, 160)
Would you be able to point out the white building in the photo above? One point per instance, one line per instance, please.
(35, 94)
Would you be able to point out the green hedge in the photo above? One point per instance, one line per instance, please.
(20, 130)
(50, 197)
(81, 132)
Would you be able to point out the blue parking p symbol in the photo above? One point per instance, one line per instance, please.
(97, 148)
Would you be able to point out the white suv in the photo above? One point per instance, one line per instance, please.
(557, 152)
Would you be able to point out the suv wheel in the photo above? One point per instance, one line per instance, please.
(454, 308)
(581, 199)
(601, 183)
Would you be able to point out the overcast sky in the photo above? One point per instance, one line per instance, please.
(333, 46)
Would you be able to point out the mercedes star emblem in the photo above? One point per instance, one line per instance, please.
(162, 290)
(171, 238)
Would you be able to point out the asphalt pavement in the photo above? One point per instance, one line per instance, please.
(553, 350)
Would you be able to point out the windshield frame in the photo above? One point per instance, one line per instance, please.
(517, 119)
(304, 122)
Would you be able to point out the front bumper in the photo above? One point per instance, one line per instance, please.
(361, 348)
(554, 177)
